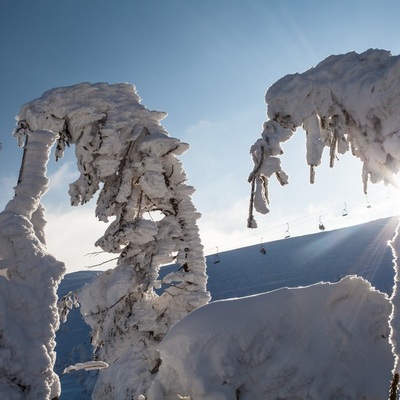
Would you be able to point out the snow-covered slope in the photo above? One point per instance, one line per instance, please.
(326, 256)
(304, 260)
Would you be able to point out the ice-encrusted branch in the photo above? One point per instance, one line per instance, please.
(347, 102)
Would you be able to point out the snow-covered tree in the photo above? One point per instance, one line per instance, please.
(29, 278)
(124, 153)
(348, 102)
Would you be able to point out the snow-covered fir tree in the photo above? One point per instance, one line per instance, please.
(29, 278)
(124, 153)
(348, 102)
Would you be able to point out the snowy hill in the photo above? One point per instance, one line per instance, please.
(304, 260)
(327, 256)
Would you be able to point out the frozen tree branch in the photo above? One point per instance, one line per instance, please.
(347, 102)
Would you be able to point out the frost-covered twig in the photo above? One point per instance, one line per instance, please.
(101, 263)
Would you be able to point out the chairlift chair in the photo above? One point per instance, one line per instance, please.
(287, 233)
(344, 212)
(262, 247)
(321, 226)
(216, 258)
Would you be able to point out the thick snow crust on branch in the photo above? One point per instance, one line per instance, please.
(347, 102)
(28, 298)
(124, 153)
(326, 341)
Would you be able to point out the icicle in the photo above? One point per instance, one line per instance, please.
(314, 144)
(21, 170)
(312, 174)
(251, 222)
(333, 144)
(364, 177)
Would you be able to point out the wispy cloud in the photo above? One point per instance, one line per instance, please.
(64, 175)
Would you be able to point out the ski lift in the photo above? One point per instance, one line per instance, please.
(368, 203)
(321, 226)
(216, 257)
(262, 248)
(287, 233)
(344, 212)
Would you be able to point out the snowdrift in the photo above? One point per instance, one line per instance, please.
(325, 341)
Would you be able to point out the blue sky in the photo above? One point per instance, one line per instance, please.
(208, 64)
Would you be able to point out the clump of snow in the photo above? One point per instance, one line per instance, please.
(325, 341)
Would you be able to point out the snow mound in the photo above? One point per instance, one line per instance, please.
(325, 341)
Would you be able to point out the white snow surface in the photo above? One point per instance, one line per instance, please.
(325, 341)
